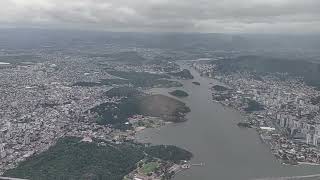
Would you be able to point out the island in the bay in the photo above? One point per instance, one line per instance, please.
(196, 83)
(179, 93)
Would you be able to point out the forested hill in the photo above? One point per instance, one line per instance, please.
(310, 71)
(72, 159)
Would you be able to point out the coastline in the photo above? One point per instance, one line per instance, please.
(257, 118)
(210, 124)
(262, 134)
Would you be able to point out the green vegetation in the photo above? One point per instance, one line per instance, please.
(164, 83)
(138, 79)
(160, 83)
(123, 92)
(196, 83)
(143, 79)
(49, 105)
(149, 167)
(315, 100)
(169, 153)
(179, 93)
(221, 97)
(115, 114)
(184, 74)
(219, 88)
(137, 76)
(107, 82)
(127, 57)
(259, 65)
(87, 84)
(74, 160)
(169, 109)
(111, 82)
(254, 106)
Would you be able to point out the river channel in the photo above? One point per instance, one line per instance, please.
(211, 134)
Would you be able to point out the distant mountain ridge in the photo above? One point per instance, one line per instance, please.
(310, 71)
(35, 38)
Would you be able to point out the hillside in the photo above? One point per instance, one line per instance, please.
(169, 109)
(184, 74)
(179, 93)
(72, 159)
(144, 79)
(162, 106)
(123, 92)
(219, 88)
(261, 65)
(127, 57)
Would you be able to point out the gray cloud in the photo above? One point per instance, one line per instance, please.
(168, 15)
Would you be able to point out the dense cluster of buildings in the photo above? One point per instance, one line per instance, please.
(40, 104)
(290, 118)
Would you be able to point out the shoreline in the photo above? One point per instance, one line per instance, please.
(260, 134)
(262, 123)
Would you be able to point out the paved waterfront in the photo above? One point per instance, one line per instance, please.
(8, 178)
(230, 153)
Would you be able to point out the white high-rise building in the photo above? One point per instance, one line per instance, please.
(3, 153)
(309, 138)
(2, 136)
(316, 136)
(26, 140)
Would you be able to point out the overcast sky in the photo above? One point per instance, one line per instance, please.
(226, 16)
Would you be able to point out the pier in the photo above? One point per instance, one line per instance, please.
(199, 164)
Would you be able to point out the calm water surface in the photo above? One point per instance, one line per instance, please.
(211, 134)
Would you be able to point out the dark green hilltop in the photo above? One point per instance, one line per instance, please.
(179, 93)
(184, 74)
(169, 109)
(72, 159)
(261, 65)
(196, 83)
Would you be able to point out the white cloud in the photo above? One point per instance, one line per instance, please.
(166, 15)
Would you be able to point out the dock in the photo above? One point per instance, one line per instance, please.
(199, 164)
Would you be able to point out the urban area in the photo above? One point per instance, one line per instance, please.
(283, 109)
(44, 101)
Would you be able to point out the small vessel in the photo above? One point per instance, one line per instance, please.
(244, 125)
